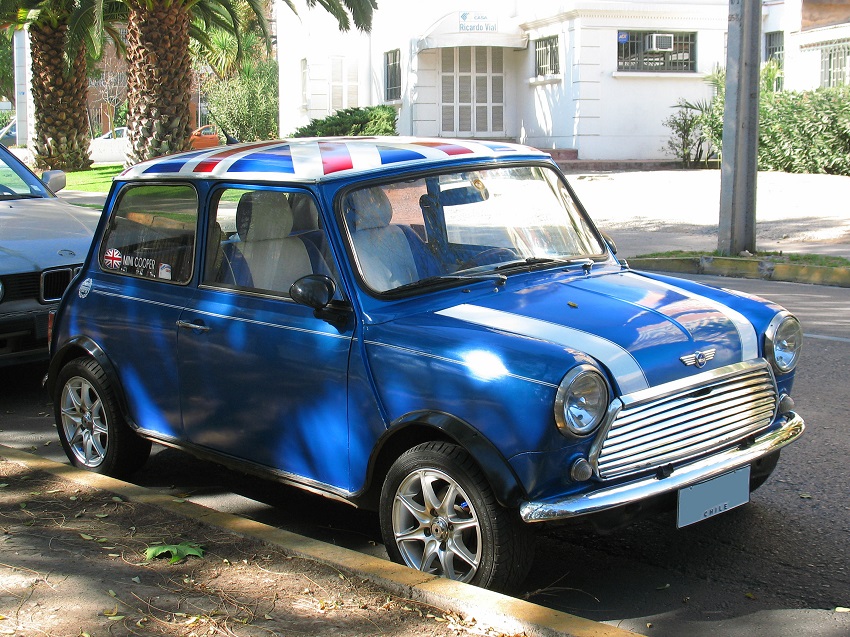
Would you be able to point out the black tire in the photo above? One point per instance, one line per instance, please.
(762, 469)
(92, 430)
(464, 533)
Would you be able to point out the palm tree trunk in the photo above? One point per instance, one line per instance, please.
(159, 78)
(60, 100)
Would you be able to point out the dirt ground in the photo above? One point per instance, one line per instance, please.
(73, 563)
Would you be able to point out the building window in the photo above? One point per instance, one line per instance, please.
(344, 86)
(656, 51)
(835, 64)
(305, 84)
(546, 56)
(392, 75)
(774, 50)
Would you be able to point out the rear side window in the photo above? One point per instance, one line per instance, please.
(152, 233)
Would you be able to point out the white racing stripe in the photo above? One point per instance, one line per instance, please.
(623, 366)
(746, 331)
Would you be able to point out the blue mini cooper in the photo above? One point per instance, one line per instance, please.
(431, 328)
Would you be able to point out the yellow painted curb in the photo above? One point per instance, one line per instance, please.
(497, 611)
(747, 269)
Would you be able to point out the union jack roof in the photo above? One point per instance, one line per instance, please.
(315, 159)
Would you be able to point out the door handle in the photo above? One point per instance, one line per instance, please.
(198, 327)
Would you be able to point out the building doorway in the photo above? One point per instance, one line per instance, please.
(472, 92)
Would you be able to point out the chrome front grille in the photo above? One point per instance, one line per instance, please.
(672, 423)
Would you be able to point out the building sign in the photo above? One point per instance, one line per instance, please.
(623, 37)
(477, 22)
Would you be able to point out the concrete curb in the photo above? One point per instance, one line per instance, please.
(747, 269)
(494, 610)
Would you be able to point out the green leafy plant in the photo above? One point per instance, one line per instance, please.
(178, 552)
(246, 106)
(799, 131)
(372, 120)
(686, 142)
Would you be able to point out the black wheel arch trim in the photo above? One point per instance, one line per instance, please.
(503, 480)
(84, 346)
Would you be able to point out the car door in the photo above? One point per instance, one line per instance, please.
(262, 379)
(136, 292)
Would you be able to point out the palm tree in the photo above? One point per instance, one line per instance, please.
(158, 79)
(59, 47)
(59, 84)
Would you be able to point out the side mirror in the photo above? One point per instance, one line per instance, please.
(313, 290)
(610, 242)
(54, 179)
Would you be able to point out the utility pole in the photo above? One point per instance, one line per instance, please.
(739, 166)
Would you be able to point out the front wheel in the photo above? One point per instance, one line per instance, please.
(91, 428)
(439, 515)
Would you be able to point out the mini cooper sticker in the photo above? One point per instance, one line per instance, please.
(85, 288)
(112, 259)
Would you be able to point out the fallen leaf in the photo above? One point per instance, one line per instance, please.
(178, 551)
(136, 579)
(86, 536)
(842, 609)
(662, 587)
(806, 496)
(749, 596)
(116, 618)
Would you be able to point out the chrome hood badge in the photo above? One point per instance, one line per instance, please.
(698, 358)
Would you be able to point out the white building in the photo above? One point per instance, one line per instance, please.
(598, 77)
(595, 76)
(812, 40)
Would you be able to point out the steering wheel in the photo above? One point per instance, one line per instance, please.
(485, 255)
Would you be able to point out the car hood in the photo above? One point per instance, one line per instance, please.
(41, 233)
(645, 332)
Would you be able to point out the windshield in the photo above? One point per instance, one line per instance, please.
(16, 181)
(467, 224)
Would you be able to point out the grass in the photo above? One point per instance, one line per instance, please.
(97, 179)
(778, 257)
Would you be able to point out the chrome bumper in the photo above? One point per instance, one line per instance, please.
(606, 498)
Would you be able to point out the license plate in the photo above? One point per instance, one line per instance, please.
(718, 495)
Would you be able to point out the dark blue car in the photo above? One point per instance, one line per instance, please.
(434, 329)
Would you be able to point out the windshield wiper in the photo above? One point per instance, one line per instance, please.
(498, 278)
(532, 261)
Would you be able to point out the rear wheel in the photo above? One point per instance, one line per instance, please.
(439, 515)
(91, 428)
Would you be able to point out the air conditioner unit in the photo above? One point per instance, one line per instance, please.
(659, 42)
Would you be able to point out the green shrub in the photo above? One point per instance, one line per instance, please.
(246, 106)
(799, 131)
(806, 132)
(686, 142)
(372, 120)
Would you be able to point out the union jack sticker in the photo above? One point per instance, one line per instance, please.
(112, 259)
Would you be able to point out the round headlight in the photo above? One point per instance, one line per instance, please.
(783, 341)
(581, 402)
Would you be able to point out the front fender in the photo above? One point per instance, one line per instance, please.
(417, 427)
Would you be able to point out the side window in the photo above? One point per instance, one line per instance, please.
(264, 240)
(152, 233)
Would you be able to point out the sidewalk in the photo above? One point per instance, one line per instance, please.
(73, 563)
